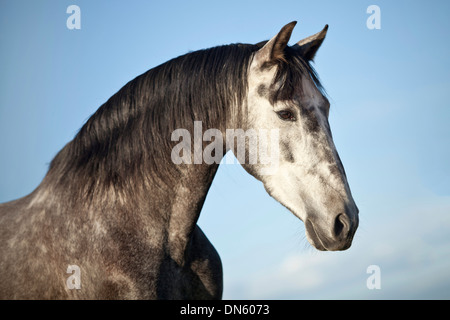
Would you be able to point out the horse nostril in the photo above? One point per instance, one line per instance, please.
(341, 225)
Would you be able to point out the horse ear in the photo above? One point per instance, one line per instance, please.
(273, 50)
(309, 46)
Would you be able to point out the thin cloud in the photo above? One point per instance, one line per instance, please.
(412, 251)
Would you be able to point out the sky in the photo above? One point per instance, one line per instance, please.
(389, 92)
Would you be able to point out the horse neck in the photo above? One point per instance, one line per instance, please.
(187, 201)
(191, 189)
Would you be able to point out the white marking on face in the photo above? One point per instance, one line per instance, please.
(309, 180)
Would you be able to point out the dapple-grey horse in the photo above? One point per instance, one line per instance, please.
(115, 209)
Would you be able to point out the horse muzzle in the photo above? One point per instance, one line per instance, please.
(335, 236)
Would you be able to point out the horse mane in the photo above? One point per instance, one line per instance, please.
(131, 130)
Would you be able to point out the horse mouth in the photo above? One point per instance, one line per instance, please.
(312, 236)
(323, 243)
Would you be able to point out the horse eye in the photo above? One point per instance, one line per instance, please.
(286, 115)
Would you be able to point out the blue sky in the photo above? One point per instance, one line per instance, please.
(390, 115)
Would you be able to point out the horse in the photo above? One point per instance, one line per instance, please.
(115, 217)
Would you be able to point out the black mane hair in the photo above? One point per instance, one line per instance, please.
(131, 131)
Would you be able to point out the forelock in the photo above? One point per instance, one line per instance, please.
(290, 74)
